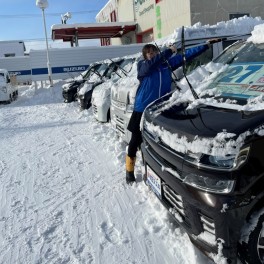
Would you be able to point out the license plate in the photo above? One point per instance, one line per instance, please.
(154, 181)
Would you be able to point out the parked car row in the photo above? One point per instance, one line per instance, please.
(203, 159)
(94, 85)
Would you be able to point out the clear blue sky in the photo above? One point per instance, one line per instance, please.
(22, 19)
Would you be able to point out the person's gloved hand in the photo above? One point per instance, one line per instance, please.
(173, 48)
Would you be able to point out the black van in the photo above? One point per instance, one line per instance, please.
(204, 158)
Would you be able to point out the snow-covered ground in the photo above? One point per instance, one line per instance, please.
(63, 194)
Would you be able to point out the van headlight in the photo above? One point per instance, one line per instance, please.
(209, 184)
(227, 162)
(222, 162)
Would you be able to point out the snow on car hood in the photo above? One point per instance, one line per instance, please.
(126, 86)
(101, 92)
(86, 87)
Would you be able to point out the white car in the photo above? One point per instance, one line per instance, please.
(8, 92)
(122, 103)
(101, 99)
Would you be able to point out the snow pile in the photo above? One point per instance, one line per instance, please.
(257, 35)
(237, 26)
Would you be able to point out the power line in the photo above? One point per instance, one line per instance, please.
(4, 16)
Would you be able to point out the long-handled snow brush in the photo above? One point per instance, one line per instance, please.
(169, 66)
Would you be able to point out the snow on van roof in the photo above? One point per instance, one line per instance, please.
(235, 27)
(257, 34)
(89, 25)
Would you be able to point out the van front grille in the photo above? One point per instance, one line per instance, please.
(95, 109)
(208, 224)
(176, 204)
(174, 199)
(119, 105)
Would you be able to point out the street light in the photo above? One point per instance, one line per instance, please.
(42, 4)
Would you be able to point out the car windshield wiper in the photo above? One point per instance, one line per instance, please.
(97, 73)
(119, 67)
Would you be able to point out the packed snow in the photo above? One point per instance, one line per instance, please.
(238, 26)
(63, 194)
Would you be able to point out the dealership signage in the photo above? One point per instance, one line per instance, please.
(143, 6)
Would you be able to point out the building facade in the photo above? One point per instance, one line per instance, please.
(158, 18)
(12, 48)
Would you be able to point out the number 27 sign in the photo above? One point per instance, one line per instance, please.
(244, 74)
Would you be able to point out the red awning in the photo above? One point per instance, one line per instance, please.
(67, 32)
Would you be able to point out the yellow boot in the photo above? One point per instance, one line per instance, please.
(130, 166)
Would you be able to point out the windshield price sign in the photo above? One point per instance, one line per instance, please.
(241, 80)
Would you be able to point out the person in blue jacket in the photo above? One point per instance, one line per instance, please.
(155, 80)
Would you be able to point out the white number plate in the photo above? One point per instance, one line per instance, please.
(154, 181)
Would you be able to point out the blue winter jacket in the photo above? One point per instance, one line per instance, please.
(155, 76)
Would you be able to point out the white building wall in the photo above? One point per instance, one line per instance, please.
(69, 62)
(12, 47)
(104, 14)
(125, 13)
(166, 15)
(171, 14)
(19, 66)
(210, 12)
(145, 14)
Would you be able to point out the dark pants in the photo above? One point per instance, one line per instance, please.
(136, 138)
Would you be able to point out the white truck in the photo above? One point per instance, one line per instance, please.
(8, 92)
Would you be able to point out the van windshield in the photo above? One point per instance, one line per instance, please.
(123, 69)
(244, 77)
